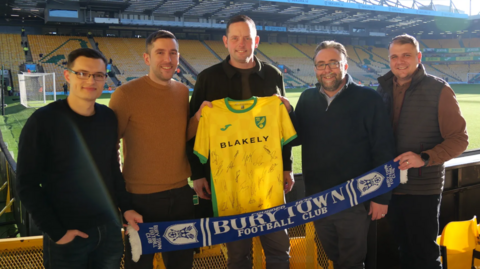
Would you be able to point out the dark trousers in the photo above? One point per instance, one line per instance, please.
(276, 247)
(103, 249)
(414, 221)
(344, 237)
(176, 204)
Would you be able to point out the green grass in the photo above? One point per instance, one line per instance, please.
(468, 97)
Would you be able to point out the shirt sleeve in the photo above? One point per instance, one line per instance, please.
(202, 140)
(288, 131)
(32, 156)
(453, 129)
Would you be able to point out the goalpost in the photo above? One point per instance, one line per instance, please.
(36, 89)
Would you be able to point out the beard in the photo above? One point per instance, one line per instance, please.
(330, 86)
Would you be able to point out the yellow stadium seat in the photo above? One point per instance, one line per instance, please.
(461, 239)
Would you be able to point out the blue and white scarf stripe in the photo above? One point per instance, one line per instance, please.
(187, 234)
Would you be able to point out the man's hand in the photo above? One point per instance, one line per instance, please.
(70, 235)
(199, 112)
(409, 160)
(285, 102)
(132, 218)
(288, 181)
(377, 211)
(200, 186)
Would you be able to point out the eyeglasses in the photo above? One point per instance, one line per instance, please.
(85, 76)
(332, 65)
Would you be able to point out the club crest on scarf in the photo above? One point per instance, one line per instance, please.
(181, 234)
(370, 183)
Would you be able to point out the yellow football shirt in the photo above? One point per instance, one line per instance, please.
(244, 141)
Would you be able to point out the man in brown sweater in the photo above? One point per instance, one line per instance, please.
(153, 113)
(429, 130)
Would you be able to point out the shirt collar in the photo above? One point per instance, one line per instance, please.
(231, 71)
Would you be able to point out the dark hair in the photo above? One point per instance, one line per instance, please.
(156, 35)
(85, 52)
(329, 44)
(405, 39)
(240, 18)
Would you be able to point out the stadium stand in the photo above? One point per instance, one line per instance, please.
(127, 56)
(431, 43)
(11, 55)
(197, 54)
(55, 50)
(472, 42)
(218, 47)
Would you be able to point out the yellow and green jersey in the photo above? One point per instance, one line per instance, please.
(244, 141)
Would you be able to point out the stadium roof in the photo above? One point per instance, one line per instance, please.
(391, 16)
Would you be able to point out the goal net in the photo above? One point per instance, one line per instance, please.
(37, 89)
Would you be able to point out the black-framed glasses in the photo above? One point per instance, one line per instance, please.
(333, 65)
(85, 76)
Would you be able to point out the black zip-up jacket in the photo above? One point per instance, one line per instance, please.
(223, 80)
(342, 140)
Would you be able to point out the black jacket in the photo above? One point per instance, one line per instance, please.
(344, 140)
(223, 80)
(68, 175)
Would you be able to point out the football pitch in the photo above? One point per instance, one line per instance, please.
(468, 97)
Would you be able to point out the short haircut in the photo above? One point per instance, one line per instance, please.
(240, 18)
(157, 35)
(85, 52)
(330, 44)
(405, 39)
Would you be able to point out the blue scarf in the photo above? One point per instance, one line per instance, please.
(176, 235)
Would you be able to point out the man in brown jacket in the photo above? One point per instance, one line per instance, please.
(429, 130)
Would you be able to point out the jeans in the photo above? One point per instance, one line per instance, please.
(103, 249)
(175, 204)
(414, 221)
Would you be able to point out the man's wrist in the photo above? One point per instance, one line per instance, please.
(425, 158)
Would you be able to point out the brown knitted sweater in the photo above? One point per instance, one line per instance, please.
(152, 121)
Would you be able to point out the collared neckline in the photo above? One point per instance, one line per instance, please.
(231, 71)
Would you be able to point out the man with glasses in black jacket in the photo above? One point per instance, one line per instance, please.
(68, 174)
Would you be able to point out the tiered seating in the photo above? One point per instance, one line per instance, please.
(308, 49)
(190, 78)
(127, 56)
(55, 50)
(197, 54)
(472, 42)
(445, 69)
(460, 70)
(435, 70)
(12, 55)
(432, 43)
(449, 43)
(218, 47)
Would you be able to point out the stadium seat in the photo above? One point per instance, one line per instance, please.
(460, 238)
(11, 55)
